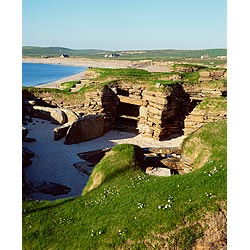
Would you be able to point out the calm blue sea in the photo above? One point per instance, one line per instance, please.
(37, 73)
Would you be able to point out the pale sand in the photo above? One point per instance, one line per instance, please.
(56, 84)
(53, 160)
(149, 65)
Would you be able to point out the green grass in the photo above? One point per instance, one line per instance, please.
(68, 85)
(213, 104)
(126, 210)
(167, 54)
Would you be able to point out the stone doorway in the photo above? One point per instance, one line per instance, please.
(127, 117)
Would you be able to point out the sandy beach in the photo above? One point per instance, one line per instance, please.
(149, 65)
(53, 160)
(56, 84)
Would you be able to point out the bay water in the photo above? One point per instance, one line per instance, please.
(37, 73)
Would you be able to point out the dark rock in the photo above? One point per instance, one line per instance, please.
(29, 139)
(94, 156)
(24, 132)
(84, 167)
(61, 131)
(26, 155)
(53, 188)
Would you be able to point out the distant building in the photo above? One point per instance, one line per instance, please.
(221, 57)
(64, 56)
(204, 56)
(113, 55)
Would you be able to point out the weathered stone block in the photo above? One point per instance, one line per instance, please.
(86, 128)
(158, 171)
(41, 112)
(155, 99)
(155, 111)
(145, 129)
(61, 131)
(57, 116)
(143, 112)
(71, 116)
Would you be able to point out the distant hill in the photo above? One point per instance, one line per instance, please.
(57, 51)
(126, 54)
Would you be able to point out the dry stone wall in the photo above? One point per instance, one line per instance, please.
(102, 102)
(164, 113)
(198, 117)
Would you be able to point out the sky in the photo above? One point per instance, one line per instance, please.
(125, 24)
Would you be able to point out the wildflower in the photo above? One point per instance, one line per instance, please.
(140, 205)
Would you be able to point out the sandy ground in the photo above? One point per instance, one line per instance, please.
(149, 65)
(56, 84)
(53, 160)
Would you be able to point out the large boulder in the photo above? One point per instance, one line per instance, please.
(57, 116)
(86, 128)
(71, 115)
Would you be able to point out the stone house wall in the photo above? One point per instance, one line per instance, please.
(160, 114)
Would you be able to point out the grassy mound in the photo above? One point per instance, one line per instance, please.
(131, 210)
(120, 159)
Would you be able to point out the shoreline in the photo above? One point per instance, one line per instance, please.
(149, 65)
(56, 83)
(75, 61)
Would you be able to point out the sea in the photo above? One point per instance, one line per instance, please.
(37, 73)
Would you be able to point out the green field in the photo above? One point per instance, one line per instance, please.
(131, 210)
(168, 54)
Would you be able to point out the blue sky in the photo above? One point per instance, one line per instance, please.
(125, 24)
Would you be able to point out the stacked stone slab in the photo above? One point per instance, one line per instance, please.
(164, 113)
(212, 74)
(198, 117)
(102, 101)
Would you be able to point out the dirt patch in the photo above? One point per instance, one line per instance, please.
(97, 180)
(215, 232)
(195, 153)
(209, 233)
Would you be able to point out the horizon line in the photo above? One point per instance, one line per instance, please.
(58, 46)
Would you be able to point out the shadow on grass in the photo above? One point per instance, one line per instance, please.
(49, 206)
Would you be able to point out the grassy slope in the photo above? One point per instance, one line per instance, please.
(123, 213)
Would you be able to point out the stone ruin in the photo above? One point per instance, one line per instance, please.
(157, 114)
(133, 108)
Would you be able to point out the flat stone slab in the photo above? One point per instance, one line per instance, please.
(158, 171)
(167, 150)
